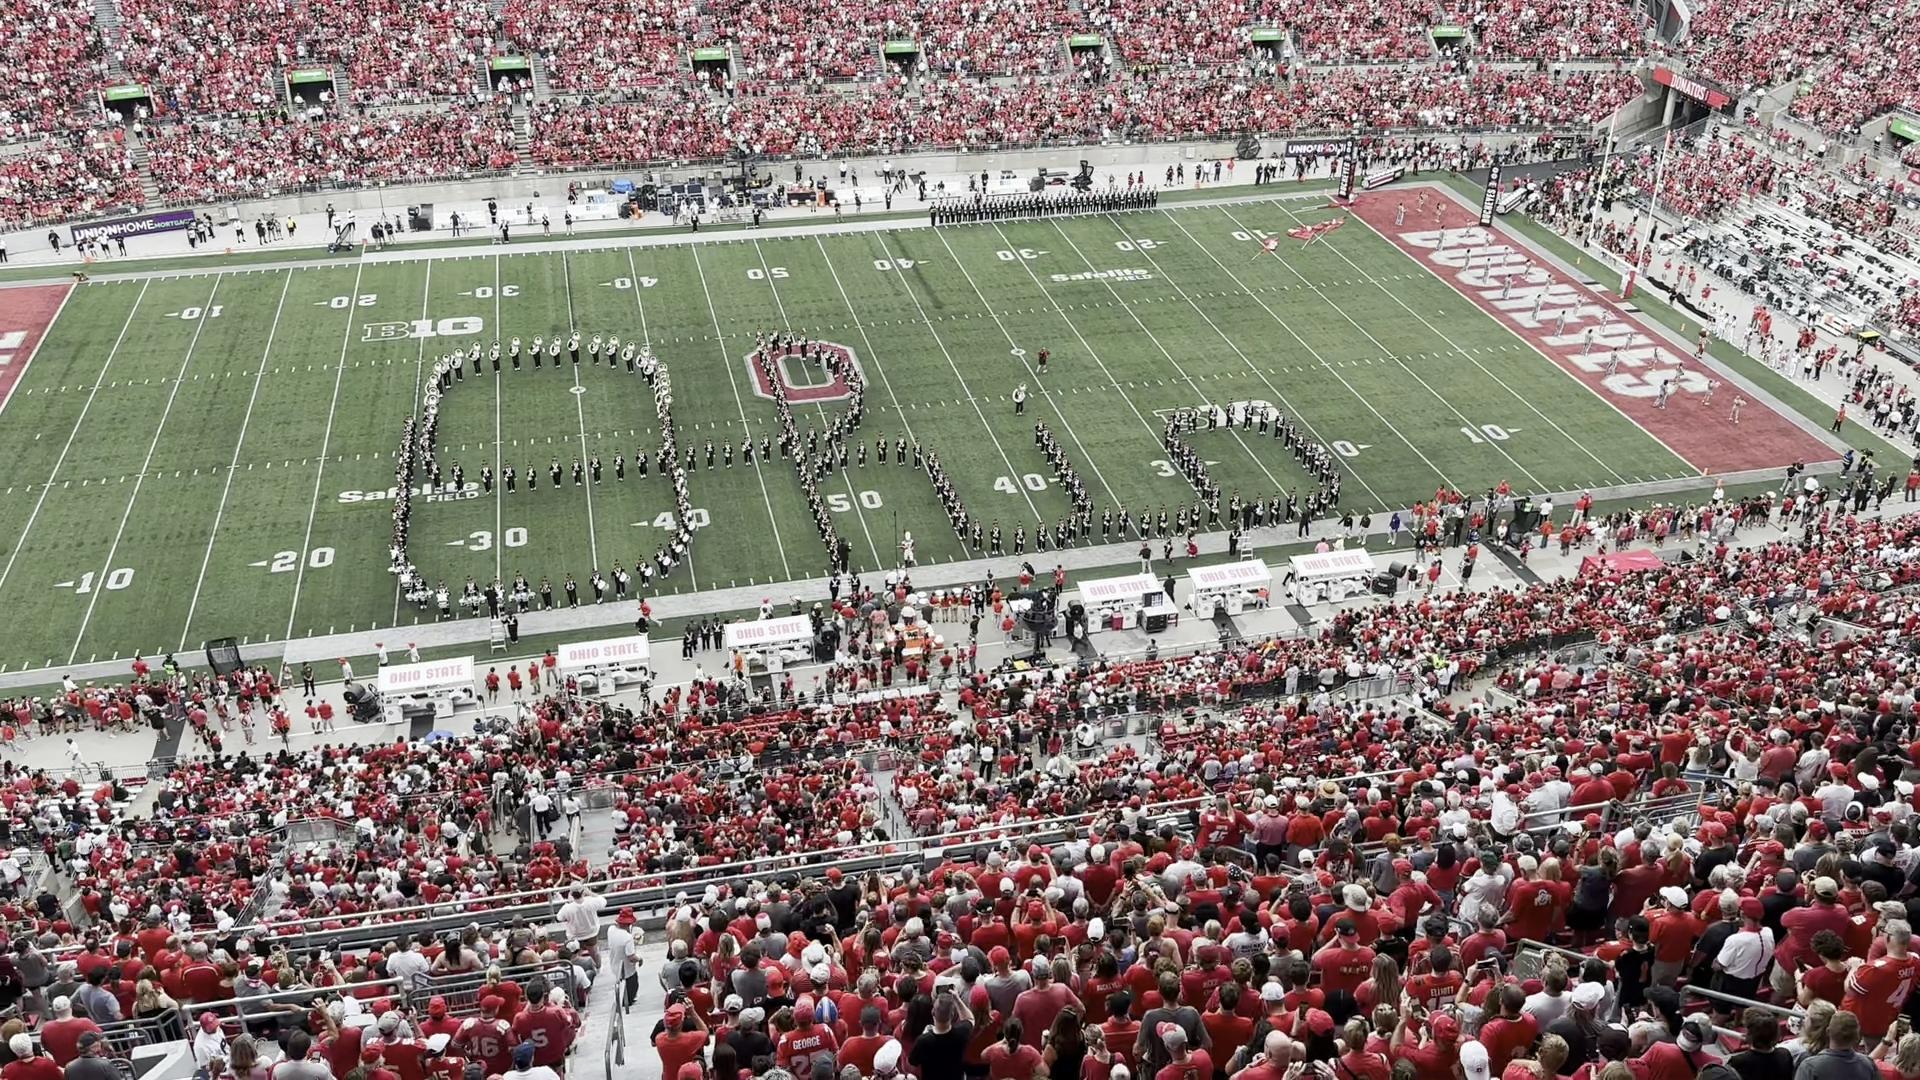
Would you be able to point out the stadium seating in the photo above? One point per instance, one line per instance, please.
(55, 63)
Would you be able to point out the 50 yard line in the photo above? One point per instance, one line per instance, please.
(233, 466)
(580, 408)
(326, 443)
(140, 478)
(880, 562)
(98, 381)
(726, 360)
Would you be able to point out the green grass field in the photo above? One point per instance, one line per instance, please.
(183, 453)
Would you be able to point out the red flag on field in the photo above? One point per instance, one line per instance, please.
(1270, 243)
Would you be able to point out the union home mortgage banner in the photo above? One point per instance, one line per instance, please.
(137, 225)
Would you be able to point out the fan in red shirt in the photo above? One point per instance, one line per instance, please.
(1345, 964)
(1878, 988)
(550, 1027)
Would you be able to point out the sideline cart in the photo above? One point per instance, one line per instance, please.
(1229, 588)
(1118, 603)
(1331, 577)
(599, 667)
(433, 686)
(768, 645)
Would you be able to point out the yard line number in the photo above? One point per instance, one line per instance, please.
(1486, 433)
(1033, 481)
(285, 562)
(840, 504)
(116, 579)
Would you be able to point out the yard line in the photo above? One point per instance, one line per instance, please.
(1617, 475)
(1366, 333)
(233, 466)
(852, 495)
(419, 370)
(326, 442)
(579, 407)
(726, 361)
(1058, 413)
(1315, 353)
(1159, 436)
(1013, 474)
(646, 339)
(499, 487)
(165, 411)
(98, 381)
(1317, 291)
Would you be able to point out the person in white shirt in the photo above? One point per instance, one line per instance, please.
(1551, 1002)
(409, 965)
(622, 959)
(1743, 957)
(580, 915)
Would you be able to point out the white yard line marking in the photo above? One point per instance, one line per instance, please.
(1315, 353)
(499, 486)
(1455, 346)
(98, 381)
(580, 408)
(1201, 398)
(1013, 473)
(646, 339)
(1058, 413)
(154, 444)
(233, 469)
(845, 477)
(1315, 288)
(326, 441)
(419, 372)
(726, 361)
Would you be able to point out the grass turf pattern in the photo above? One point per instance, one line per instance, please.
(183, 453)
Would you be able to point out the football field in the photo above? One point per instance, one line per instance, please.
(211, 454)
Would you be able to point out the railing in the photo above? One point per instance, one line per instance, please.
(1533, 951)
(461, 992)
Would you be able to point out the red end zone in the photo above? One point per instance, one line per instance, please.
(28, 312)
(1478, 262)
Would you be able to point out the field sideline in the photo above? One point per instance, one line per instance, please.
(210, 454)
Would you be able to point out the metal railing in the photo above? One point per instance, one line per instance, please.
(237, 1015)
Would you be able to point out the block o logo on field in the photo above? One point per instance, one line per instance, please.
(833, 387)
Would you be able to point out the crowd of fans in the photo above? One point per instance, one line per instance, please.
(1330, 858)
(397, 52)
(882, 118)
(55, 63)
(67, 176)
(234, 159)
(1872, 74)
(597, 47)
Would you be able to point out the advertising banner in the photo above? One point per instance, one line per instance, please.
(137, 225)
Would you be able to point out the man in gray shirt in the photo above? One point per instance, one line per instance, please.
(92, 1063)
(101, 1005)
(1838, 1061)
(297, 1065)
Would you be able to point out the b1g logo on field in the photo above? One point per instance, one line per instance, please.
(809, 381)
(457, 326)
